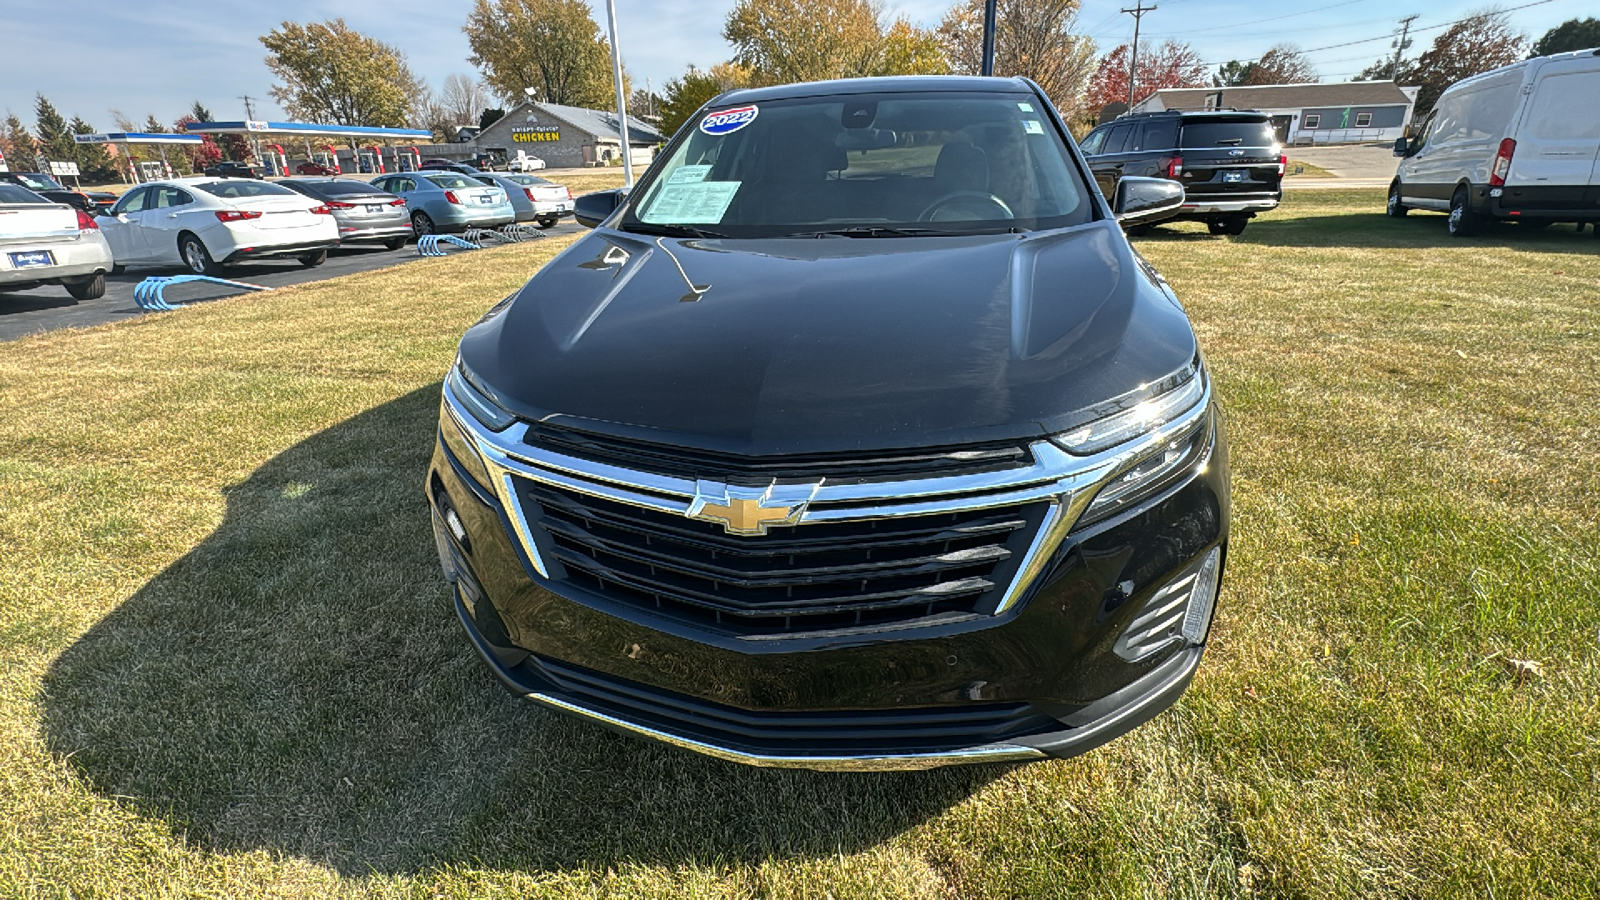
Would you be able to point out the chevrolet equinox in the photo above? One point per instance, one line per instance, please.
(855, 435)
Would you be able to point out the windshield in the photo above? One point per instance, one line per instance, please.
(39, 182)
(869, 165)
(238, 190)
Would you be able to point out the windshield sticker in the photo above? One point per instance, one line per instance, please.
(1032, 127)
(1025, 107)
(691, 203)
(687, 174)
(729, 120)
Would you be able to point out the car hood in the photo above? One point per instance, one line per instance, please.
(765, 347)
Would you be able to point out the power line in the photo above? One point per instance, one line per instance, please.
(1305, 12)
(1387, 36)
(1138, 11)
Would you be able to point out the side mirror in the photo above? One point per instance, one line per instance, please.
(1142, 201)
(592, 209)
(1402, 147)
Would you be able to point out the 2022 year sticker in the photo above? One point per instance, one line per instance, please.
(729, 120)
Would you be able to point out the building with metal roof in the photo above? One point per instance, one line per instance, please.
(1315, 113)
(566, 136)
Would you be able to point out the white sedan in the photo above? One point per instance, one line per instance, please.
(205, 223)
(49, 243)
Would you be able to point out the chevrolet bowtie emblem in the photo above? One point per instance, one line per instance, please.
(749, 510)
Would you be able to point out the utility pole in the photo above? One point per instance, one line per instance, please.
(988, 38)
(1401, 45)
(622, 100)
(1138, 11)
(249, 106)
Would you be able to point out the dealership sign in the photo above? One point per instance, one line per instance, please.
(534, 134)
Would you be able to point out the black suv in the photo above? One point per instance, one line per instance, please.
(229, 169)
(856, 435)
(89, 201)
(1229, 163)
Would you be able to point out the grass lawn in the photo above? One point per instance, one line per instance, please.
(229, 668)
(1299, 168)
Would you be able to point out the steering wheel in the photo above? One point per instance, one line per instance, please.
(974, 199)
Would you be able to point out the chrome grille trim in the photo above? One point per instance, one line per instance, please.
(1068, 481)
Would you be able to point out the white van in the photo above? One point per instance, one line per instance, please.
(1520, 143)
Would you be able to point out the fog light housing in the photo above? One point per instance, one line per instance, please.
(1179, 611)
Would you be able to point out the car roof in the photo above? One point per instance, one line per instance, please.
(882, 84)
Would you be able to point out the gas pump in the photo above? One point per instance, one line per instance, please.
(407, 159)
(328, 157)
(377, 159)
(276, 161)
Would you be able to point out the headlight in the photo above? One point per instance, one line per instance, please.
(476, 400)
(1152, 472)
(1148, 415)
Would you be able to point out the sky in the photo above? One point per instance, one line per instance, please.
(159, 56)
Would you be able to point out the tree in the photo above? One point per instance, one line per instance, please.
(1032, 38)
(1171, 65)
(19, 143)
(94, 161)
(1573, 34)
(1233, 74)
(781, 41)
(1281, 64)
(908, 50)
(206, 153)
(199, 113)
(643, 104)
(682, 96)
(463, 99)
(552, 46)
(152, 125)
(428, 113)
(332, 73)
(1485, 41)
(490, 116)
(54, 136)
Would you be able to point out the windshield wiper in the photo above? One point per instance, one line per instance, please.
(875, 231)
(670, 230)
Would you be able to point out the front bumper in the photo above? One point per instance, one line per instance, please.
(1043, 678)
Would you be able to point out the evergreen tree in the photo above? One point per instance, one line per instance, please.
(200, 113)
(18, 141)
(94, 162)
(55, 138)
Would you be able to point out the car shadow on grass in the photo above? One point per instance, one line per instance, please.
(298, 683)
(1414, 231)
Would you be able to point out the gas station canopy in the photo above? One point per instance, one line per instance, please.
(304, 129)
(140, 137)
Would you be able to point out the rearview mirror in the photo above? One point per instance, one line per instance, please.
(592, 209)
(1402, 147)
(1141, 201)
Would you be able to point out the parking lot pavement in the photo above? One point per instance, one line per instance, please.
(51, 307)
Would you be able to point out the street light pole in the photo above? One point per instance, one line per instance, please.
(988, 38)
(622, 100)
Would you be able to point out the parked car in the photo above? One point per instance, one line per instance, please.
(522, 162)
(364, 214)
(231, 170)
(315, 168)
(551, 202)
(1520, 143)
(441, 202)
(56, 192)
(448, 165)
(813, 454)
(42, 242)
(1229, 163)
(208, 223)
(488, 162)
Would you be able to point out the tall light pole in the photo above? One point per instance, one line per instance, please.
(622, 100)
(1138, 11)
(988, 38)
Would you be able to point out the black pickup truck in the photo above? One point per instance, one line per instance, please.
(1229, 163)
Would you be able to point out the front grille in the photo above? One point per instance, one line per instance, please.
(837, 468)
(806, 578)
(925, 729)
